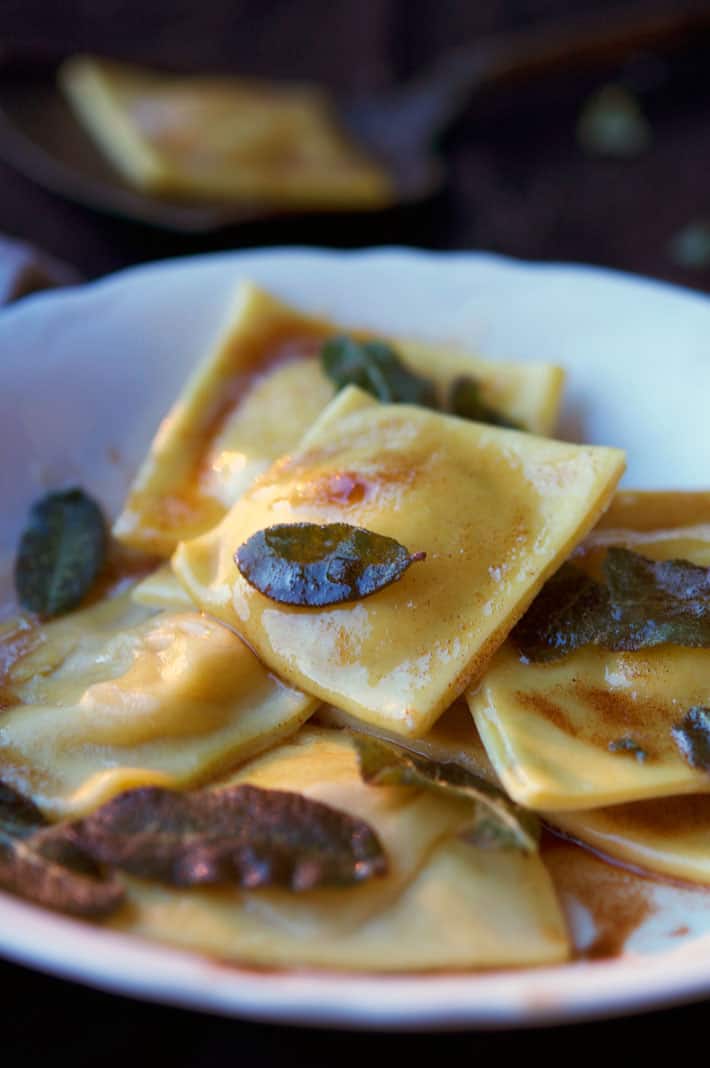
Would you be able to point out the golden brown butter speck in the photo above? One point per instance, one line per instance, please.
(545, 707)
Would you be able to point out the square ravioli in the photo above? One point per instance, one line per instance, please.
(222, 137)
(596, 727)
(113, 697)
(667, 836)
(442, 904)
(256, 393)
(495, 511)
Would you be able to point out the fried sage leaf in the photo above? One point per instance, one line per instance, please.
(61, 551)
(643, 603)
(465, 400)
(658, 601)
(570, 611)
(692, 736)
(312, 565)
(237, 834)
(496, 821)
(46, 868)
(375, 367)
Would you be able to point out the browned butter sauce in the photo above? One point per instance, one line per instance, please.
(617, 899)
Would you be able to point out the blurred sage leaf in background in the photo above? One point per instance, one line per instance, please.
(612, 124)
(690, 246)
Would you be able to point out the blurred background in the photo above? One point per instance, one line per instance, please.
(551, 167)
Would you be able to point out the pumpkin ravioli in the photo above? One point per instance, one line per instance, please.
(669, 836)
(160, 589)
(258, 391)
(443, 904)
(113, 697)
(596, 728)
(495, 511)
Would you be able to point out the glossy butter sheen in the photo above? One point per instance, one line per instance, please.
(547, 727)
(494, 510)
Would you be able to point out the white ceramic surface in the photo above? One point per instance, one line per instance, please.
(87, 375)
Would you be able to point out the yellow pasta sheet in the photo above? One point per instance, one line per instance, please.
(108, 699)
(667, 836)
(548, 727)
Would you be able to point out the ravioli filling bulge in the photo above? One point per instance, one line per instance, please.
(494, 510)
(174, 699)
(548, 727)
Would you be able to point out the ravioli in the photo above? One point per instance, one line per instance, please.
(443, 904)
(161, 589)
(254, 396)
(669, 836)
(650, 511)
(495, 510)
(547, 727)
(222, 137)
(108, 699)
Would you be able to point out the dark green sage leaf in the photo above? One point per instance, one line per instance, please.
(237, 834)
(465, 400)
(655, 602)
(61, 552)
(310, 565)
(629, 746)
(375, 367)
(692, 736)
(570, 611)
(48, 870)
(612, 124)
(643, 603)
(496, 821)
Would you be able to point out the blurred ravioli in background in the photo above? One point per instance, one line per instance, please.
(223, 138)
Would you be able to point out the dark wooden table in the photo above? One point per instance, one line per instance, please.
(518, 184)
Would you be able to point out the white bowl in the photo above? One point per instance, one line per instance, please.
(89, 372)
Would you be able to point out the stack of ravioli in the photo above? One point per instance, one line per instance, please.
(192, 676)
